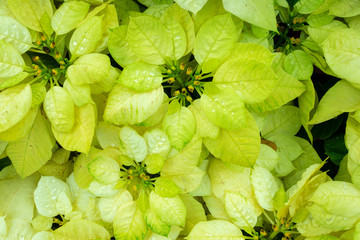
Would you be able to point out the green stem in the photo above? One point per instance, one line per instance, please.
(36, 51)
(36, 79)
(28, 69)
(268, 218)
(273, 234)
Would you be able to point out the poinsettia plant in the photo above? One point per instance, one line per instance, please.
(193, 119)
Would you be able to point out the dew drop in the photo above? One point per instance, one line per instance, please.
(75, 43)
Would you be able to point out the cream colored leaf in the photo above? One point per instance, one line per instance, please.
(81, 135)
(13, 32)
(31, 152)
(59, 108)
(15, 104)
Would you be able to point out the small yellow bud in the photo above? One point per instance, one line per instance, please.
(197, 77)
(146, 178)
(287, 225)
(275, 228)
(130, 177)
(134, 188)
(171, 80)
(295, 20)
(173, 67)
(182, 66)
(43, 38)
(169, 71)
(38, 42)
(57, 55)
(288, 235)
(282, 220)
(38, 72)
(191, 88)
(189, 71)
(177, 92)
(36, 58)
(292, 39)
(36, 67)
(54, 72)
(62, 63)
(130, 171)
(263, 232)
(196, 83)
(62, 67)
(189, 98)
(183, 91)
(52, 44)
(142, 175)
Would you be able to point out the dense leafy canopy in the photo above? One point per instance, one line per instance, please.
(185, 119)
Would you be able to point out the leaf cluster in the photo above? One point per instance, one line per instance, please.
(193, 119)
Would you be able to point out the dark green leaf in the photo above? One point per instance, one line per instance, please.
(335, 148)
(292, 3)
(326, 129)
(4, 163)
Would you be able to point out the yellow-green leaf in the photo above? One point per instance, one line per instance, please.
(191, 5)
(286, 89)
(17, 198)
(125, 106)
(29, 12)
(59, 108)
(81, 135)
(215, 229)
(86, 37)
(253, 81)
(307, 6)
(171, 211)
(90, 68)
(11, 62)
(68, 16)
(298, 64)
(185, 20)
(46, 194)
(13, 32)
(214, 41)
(224, 108)
(119, 47)
(141, 77)
(179, 125)
(284, 120)
(239, 146)
(342, 53)
(258, 12)
(80, 229)
(240, 210)
(15, 103)
(21, 128)
(104, 170)
(31, 152)
(149, 39)
(342, 97)
(176, 33)
(129, 222)
(79, 94)
(204, 126)
(194, 212)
